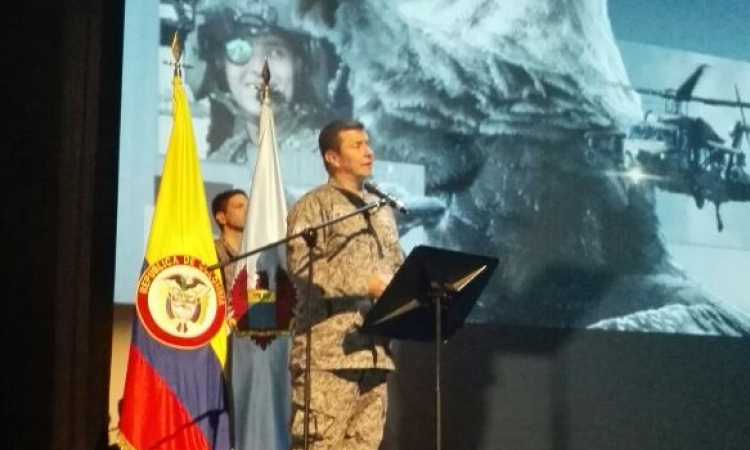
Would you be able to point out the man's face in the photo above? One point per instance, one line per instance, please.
(354, 159)
(244, 59)
(233, 217)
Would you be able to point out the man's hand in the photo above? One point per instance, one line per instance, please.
(377, 284)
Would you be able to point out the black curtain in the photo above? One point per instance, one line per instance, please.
(61, 76)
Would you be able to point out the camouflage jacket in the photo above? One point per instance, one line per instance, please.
(347, 253)
(224, 253)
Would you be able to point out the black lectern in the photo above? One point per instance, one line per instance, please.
(428, 299)
(432, 282)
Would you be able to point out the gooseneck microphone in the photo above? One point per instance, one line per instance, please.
(392, 201)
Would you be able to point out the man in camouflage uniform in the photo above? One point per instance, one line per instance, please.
(353, 260)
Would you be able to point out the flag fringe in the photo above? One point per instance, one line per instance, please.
(259, 333)
(122, 442)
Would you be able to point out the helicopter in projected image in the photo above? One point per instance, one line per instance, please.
(682, 154)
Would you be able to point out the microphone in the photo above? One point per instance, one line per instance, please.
(392, 201)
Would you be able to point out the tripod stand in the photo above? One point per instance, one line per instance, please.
(428, 299)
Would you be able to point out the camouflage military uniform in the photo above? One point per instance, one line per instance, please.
(348, 368)
(224, 253)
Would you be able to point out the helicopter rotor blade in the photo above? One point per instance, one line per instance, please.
(705, 100)
(685, 91)
(719, 102)
(656, 93)
(745, 129)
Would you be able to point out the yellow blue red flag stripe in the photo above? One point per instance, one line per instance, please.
(175, 394)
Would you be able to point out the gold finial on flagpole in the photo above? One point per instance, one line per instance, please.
(265, 87)
(177, 55)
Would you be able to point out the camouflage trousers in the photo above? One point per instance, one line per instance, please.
(347, 409)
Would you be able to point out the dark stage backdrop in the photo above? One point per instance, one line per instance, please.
(587, 390)
(61, 73)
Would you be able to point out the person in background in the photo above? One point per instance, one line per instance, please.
(229, 209)
(352, 262)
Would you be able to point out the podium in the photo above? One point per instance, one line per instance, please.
(429, 299)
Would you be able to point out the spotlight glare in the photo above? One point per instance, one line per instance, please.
(635, 174)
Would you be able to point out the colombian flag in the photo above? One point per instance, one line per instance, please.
(175, 394)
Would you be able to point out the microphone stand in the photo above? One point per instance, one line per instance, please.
(310, 236)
